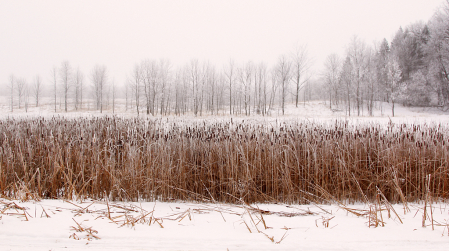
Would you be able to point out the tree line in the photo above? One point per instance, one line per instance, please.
(156, 87)
(412, 70)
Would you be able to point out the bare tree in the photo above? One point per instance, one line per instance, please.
(245, 78)
(331, 76)
(21, 89)
(26, 97)
(113, 96)
(260, 88)
(274, 88)
(194, 78)
(300, 64)
(99, 82)
(230, 78)
(357, 53)
(55, 81)
(394, 81)
(126, 95)
(65, 73)
(149, 71)
(11, 87)
(164, 78)
(221, 89)
(370, 79)
(211, 79)
(179, 92)
(37, 89)
(283, 76)
(346, 80)
(79, 86)
(135, 84)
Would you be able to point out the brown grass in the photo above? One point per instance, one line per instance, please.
(294, 162)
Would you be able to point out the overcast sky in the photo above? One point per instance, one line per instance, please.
(36, 35)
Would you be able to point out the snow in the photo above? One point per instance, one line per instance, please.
(196, 226)
(316, 111)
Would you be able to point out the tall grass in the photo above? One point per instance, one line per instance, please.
(291, 162)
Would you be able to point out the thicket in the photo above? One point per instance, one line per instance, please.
(289, 162)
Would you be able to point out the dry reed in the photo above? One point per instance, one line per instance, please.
(290, 162)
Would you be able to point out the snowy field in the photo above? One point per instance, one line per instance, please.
(102, 225)
(312, 111)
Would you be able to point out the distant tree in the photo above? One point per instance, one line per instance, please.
(346, 81)
(149, 71)
(164, 78)
(79, 88)
(283, 77)
(437, 52)
(11, 88)
(194, 78)
(407, 48)
(65, 74)
(99, 83)
(300, 64)
(136, 83)
(382, 55)
(418, 91)
(274, 87)
(26, 97)
(370, 79)
(21, 89)
(260, 96)
(178, 92)
(113, 96)
(229, 73)
(356, 51)
(331, 75)
(211, 79)
(54, 73)
(245, 74)
(37, 89)
(394, 81)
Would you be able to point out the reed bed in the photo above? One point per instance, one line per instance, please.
(289, 162)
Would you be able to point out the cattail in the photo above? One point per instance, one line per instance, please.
(229, 161)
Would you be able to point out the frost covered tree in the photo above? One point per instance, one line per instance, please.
(99, 84)
(260, 88)
(394, 81)
(283, 73)
(356, 51)
(65, 75)
(331, 75)
(150, 74)
(346, 81)
(437, 50)
(37, 89)
(229, 73)
(21, 90)
(382, 55)
(78, 83)
(165, 80)
(11, 89)
(54, 74)
(135, 82)
(300, 64)
(245, 75)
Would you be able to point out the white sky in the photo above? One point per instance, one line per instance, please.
(37, 35)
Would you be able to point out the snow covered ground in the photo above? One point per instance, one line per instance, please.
(101, 225)
(313, 110)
